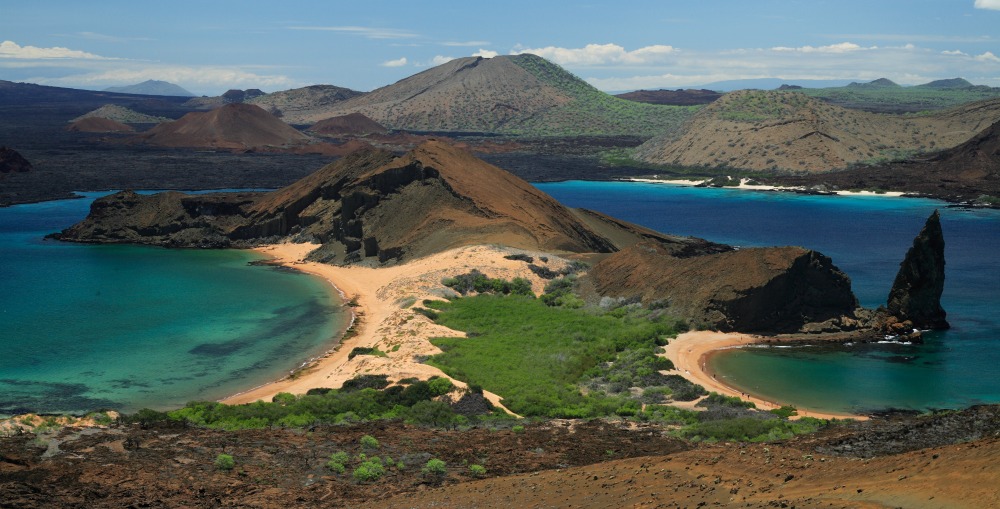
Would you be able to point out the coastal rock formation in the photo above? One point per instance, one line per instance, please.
(233, 126)
(369, 206)
(756, 289)
(916, 293)
(11, 161)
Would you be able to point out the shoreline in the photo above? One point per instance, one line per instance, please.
(744, 186)
(381, 317)
(691, 351)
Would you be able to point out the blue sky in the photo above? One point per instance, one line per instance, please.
(209, 47)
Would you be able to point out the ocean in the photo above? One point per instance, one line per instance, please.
(86, 327)
(867, 237)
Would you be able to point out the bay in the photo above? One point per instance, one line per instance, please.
(867, 237)
(85, 327)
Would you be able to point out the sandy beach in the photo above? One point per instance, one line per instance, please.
(690, 352)
(383, 317)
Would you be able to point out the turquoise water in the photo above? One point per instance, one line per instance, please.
(84, 327)
(867, 237)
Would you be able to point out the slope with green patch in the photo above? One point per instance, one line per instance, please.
(520, 95)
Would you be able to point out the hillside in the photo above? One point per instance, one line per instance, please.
(967, 173)
(522, 94)
(152, 87)
(298, 105)
(787, 131)
(234, 126)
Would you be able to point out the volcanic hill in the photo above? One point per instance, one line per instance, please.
(152, 87)
(122, 115)
(352, 124)
(787, 131)
(233, 126)
(518, 94)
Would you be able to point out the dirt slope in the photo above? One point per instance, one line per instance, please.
(233, 126)
(788, 131)
(296, 104)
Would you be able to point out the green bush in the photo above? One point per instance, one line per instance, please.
(785, 411)
(517, 429)
(435, 468)
(369, 442)
(477, 470)
(369, 470)
(224, 462)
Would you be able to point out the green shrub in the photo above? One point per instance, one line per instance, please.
(717, 399)
(369, 442)
(435, 468)
(477, 470)
(283, 398)
(365, 350)
(440, 386)
(517, 429)
(785, 411)
(369, 470)
(224, 462)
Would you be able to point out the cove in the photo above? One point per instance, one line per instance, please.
(867, 237)
(86, 327)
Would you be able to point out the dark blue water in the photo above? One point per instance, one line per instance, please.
(84, 327)
(867, 238)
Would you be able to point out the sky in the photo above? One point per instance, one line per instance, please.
(209, 47)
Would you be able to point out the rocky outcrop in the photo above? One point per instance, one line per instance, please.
(752, 290)
(11, 161)
(915, 297)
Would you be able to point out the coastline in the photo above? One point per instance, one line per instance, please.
(744, 186)
(691, 351)
(381, 317)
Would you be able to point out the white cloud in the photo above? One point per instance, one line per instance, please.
(907, 65)
(843, 47)
(485, 53)
(987, 57)
(440, 59)
(601, 54)
(988, 4)
(399, 62)
(10, 49)
(366, 32)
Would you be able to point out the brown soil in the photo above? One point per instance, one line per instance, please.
(557, 464)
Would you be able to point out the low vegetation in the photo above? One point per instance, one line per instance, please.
(540, 354)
